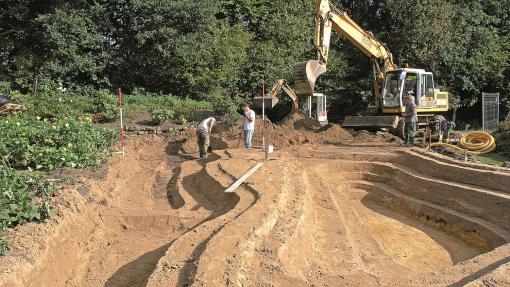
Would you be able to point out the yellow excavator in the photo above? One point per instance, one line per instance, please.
(391, 84)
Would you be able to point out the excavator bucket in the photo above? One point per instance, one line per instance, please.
(305, 74)
(269, 102)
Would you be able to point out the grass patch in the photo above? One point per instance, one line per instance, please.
(492, 158)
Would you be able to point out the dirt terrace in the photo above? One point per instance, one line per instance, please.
(313, 215)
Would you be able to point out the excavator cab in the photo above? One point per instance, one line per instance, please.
(416, 82)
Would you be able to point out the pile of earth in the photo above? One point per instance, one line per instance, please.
(293, 130)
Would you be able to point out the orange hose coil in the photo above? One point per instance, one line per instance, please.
(474, 142)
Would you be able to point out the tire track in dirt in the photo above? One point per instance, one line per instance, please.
(267, 246)
(179, 265)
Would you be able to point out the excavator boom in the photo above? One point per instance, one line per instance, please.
(329, 18)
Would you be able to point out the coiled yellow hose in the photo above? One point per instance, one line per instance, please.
(474, 142)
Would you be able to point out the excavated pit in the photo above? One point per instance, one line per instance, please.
(373, 215)
(340, 216)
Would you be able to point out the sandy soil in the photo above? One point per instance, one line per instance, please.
(364, 214)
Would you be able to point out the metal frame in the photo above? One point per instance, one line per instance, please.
(496, 101)
(321, 106)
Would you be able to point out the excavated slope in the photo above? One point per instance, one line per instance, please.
(313, 215)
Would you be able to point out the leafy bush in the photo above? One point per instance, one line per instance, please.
(159, 116)
(29, 141)
(183, 119)
(18, 194)
(23, 199)
(503, 143)
(106, 104)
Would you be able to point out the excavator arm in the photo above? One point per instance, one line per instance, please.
(272, 97)
(330, 18)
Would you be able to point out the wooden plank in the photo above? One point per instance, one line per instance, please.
(245, 176)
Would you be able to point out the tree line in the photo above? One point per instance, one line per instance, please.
(226, 48)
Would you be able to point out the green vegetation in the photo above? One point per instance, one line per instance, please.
(41, 144)
(105, 106)
(23, 198)
(159, 116)
(502, 138)
(164, 107)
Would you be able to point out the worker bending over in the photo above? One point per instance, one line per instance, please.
(411, 118)
(203, 130)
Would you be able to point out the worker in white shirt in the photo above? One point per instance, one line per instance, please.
(203, 130)
(248, 125)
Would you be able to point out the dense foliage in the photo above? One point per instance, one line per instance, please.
(29, 141)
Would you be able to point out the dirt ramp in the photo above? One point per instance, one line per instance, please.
(204, 181)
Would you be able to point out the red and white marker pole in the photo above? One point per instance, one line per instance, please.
(119, 92)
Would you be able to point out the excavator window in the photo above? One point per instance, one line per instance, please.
(427, 84)
(391, 93)
(411, 85)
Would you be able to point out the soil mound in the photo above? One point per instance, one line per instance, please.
(292, 130)
(299, 121)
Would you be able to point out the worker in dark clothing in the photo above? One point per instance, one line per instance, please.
(411, 119)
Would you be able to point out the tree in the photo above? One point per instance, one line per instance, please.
(176, 47)
(282, 34)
